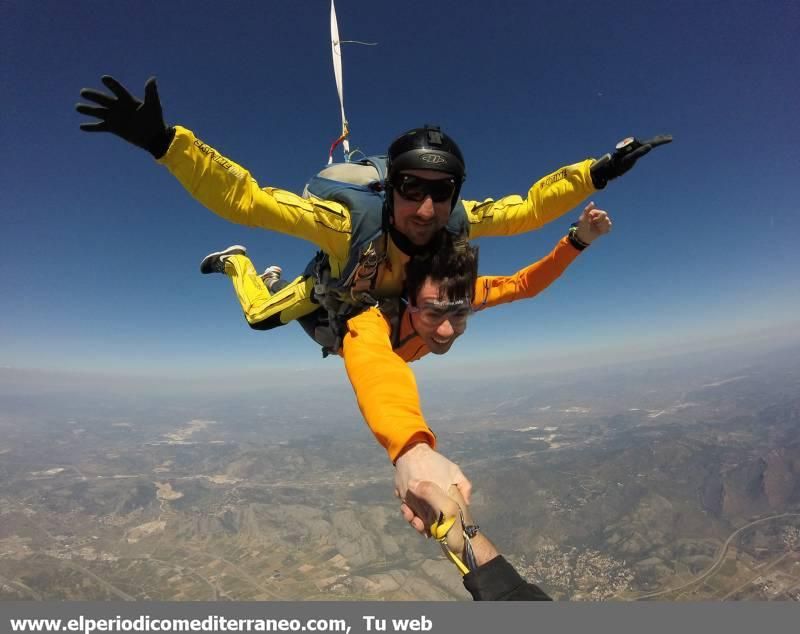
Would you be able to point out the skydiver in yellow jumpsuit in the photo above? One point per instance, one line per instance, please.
(420, 197)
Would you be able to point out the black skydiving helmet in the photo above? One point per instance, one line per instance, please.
(425, 148)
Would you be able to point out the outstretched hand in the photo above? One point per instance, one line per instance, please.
(138, 122)
(627, 152)
(425, 464)
(593, 223)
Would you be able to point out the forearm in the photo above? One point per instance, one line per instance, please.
(537, 277)
(230, 191)
(528, 282)
(549, 198)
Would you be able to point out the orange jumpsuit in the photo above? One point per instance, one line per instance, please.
(376, 358)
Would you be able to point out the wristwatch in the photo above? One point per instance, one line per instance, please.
(574, 240)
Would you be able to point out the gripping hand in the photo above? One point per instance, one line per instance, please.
(140, 123)
(420, 462)
(627, 152)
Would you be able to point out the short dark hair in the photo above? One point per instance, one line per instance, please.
(450, 261)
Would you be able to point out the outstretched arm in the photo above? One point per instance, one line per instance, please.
(533, 279)
(549, 198)
(555, 194)
(389, 401)
(217, 182)
(384, 385)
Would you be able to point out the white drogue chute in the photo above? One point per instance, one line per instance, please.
(336, 51)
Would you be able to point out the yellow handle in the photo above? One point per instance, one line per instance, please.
(441, 527)
(439, 530)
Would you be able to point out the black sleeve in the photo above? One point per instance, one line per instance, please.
(496, 580)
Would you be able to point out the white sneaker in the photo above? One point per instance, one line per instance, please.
(271, 275)
(215, 262)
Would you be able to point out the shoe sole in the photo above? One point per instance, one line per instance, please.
(208, 262)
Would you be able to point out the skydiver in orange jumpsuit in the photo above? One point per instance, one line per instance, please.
(442, 290)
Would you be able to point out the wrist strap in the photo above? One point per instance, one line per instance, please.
(574, 240)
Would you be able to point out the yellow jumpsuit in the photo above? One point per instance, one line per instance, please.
(231, 192)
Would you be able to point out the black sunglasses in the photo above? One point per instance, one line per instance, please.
(417, 189)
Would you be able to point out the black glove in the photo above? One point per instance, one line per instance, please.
(139, 123)
(624, 157)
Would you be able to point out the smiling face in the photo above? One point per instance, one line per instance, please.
(420, 220)
(438, 321)
(440, 285)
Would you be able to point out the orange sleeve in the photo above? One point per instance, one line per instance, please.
(530, 281)
(385, 387)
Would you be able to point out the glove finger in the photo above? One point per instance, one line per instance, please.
(118, 89)
(100, 126)
(151, 93)
(98, 97)
(637, 154)
(658, 140)
(92, 111)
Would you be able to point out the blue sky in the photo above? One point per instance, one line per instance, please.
(101, 246)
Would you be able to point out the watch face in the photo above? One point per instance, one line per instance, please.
(625, 142)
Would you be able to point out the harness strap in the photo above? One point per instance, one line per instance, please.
(342, 299)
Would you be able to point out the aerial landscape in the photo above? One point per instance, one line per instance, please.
(673, 480)
(627, 414)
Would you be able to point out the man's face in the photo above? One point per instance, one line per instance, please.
(419, 220)
(438, 322)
